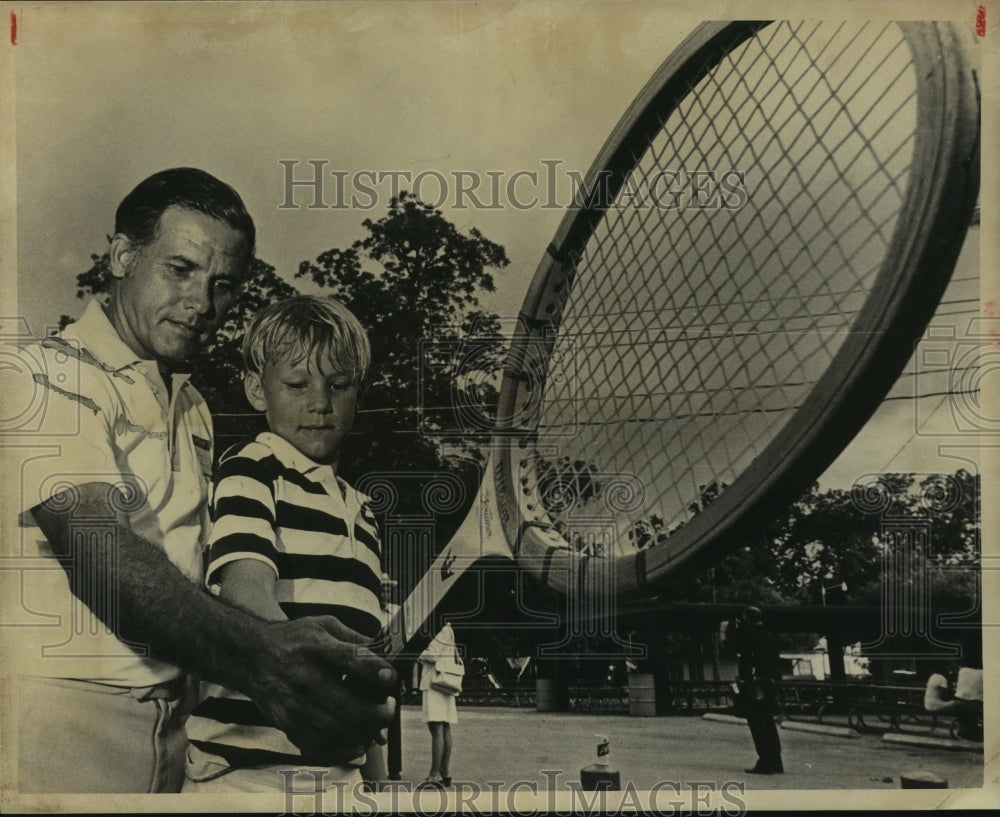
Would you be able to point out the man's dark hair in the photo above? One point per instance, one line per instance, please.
(138, 216)
(753, 614)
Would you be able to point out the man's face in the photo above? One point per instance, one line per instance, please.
(173, 293)
(306, 403)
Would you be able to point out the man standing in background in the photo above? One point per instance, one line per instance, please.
(759, 671)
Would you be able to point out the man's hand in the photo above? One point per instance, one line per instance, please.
(312, 677)
(315, 680)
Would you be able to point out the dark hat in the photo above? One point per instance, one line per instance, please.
(753, 613)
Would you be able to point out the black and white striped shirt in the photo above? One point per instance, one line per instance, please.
(272, 503)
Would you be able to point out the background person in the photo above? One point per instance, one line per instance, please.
(969, 692)
(939, 692)
(439, 709)
(759, 671)
(121, 514)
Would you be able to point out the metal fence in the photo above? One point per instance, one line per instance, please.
(863, 706)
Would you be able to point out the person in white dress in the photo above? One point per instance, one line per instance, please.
(439, 708)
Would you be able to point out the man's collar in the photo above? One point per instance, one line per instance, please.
(97, 334)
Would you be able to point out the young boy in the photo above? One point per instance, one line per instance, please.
(289, 538)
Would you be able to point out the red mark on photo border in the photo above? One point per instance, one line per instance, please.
(13, 28)
(981, 21)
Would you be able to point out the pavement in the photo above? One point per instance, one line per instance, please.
(511, 760)
(525, 747)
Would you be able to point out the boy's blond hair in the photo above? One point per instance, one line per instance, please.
(308, 327)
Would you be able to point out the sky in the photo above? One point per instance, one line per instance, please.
(105, 94)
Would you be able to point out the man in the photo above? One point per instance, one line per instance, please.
(759, 671)
(119, 497)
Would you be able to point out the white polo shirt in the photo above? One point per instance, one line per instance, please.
(107, 417)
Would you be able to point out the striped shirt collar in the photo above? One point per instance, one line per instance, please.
(295, 459)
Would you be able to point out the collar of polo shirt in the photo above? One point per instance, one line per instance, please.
(106, 344)
(295, 458)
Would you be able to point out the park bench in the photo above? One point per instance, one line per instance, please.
(599, 700)
(882, 708)
(699, 696)
(810, 700)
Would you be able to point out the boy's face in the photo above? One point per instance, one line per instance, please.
(307, 404)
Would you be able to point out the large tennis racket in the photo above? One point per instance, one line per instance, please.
(760, 242)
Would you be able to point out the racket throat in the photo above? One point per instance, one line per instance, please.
(480, 537)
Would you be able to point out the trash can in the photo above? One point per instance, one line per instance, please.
(641, 695)
(545, 694)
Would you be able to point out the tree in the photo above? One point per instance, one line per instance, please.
(836, 537)
(953, 503)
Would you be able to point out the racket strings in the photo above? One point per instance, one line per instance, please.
(823, 235)
(698, 322)
(692, 332)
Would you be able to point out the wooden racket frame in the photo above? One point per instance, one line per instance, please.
(929, 233)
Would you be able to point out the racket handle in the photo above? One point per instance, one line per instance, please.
(367, 690)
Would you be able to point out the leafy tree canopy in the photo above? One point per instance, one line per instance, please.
(829, 539)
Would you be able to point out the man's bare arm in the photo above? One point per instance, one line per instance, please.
(309, 676)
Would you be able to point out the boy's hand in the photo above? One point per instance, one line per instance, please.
(316, 681)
